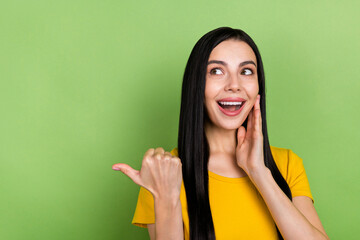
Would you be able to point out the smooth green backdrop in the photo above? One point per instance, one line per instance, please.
(86, 84)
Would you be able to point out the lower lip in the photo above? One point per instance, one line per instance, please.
(231, 113)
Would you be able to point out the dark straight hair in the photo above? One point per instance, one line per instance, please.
(193, 147)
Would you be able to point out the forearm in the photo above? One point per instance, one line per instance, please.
(168, 219)
(292, 224)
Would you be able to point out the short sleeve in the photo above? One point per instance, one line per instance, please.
(174, 152)
(296, 176)
(144, 212)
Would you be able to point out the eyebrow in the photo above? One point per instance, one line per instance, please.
(225, 64)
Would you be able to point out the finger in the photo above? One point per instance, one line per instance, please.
(176, 158)
(159, 150)
(241, 135)
(149, 152)
(128, 171)
(258, 124)
(250, 121)
(257, 102)
(167, 154)
(257, 120)
(167, 157)
(260, 114)
(252, 118)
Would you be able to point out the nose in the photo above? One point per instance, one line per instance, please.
(233, 83)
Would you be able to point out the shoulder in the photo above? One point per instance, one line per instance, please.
(292, 168)
(280, 155)
(286, 160)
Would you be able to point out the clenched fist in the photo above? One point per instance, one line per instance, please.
(160, 173)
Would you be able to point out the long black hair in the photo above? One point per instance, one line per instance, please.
(193, 147)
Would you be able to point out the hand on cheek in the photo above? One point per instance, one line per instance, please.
(249, 150)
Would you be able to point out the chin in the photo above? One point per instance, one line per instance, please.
(225, 124)
(233, 126)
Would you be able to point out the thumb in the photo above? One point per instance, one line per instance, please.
(128, 171)
(241, 135)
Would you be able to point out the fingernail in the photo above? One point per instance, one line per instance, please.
(116, 168)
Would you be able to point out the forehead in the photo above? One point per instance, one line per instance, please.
(232, 50)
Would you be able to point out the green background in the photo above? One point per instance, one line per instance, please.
(86, 84)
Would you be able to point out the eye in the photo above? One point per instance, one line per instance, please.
(247, 71)
(216, 71)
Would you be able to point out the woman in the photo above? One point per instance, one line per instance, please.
(224, 180)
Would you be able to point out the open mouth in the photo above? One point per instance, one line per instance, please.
(230, 106)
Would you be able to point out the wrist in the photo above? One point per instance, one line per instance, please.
(166, 207)
(168, 218)
(260, 175)
(167, 200)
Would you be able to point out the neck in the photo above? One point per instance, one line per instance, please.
(220, 140)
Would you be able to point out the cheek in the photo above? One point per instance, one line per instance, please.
(210, 92)
(252, 89)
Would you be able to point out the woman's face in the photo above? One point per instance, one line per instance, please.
(231, 84)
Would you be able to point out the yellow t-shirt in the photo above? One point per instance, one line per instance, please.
(237, 208)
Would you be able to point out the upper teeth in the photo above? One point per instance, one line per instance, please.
(230, 103)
